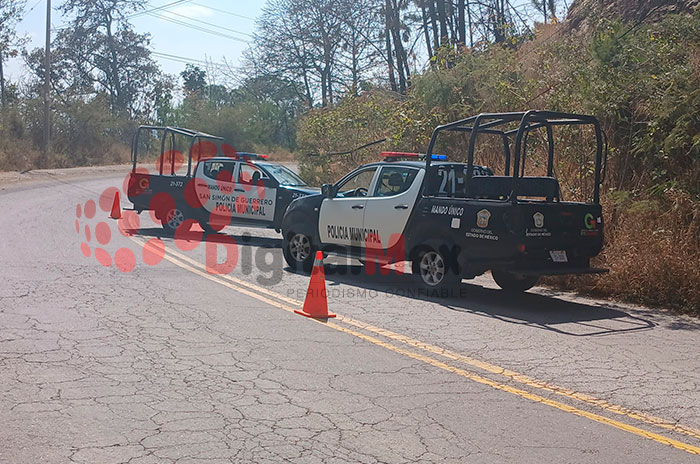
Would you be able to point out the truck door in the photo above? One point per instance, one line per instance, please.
(390, 205)
(256, 194)
(214, 185)
(340, 218)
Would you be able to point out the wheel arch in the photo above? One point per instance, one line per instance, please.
(298, 221)
(445, 245)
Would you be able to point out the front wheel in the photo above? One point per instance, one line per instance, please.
(434, 271)
(514, 283)
(298, 251)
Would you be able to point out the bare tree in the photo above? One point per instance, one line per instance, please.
(426, 31)
(361, 49)
(387, 40)
(299, 40)
(283, 48)
(434, 23)
(461, 23)
(442, 17)
(396, 27)
(327, 46)
(548, 9)
(325, 32)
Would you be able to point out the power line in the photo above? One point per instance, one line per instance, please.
(206, 23)
(35, 5)
(186, 60)
(135, 15)
(159, 8)
(223, 11)
(197, 28)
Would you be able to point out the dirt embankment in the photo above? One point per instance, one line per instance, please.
(11, 179)
(583, 12)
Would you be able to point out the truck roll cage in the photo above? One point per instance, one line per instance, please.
(168, 131)
(492, 123)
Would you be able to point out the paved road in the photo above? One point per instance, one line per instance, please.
(167, 362)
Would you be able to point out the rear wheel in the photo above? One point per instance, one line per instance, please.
(513, 283)
(172, 220)
(299, 251)
(433, 270)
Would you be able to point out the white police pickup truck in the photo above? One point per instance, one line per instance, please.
(214, 186)
(457, 220)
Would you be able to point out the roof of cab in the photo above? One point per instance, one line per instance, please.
(231, 158)
(413, 164)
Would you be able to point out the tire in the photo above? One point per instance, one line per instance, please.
(513, 283)
(434, 271)
(172, 220)
(299, 251)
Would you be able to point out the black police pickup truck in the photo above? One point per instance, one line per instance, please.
(213, 185)
(458, 220)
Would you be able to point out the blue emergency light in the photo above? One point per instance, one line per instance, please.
(394, 155)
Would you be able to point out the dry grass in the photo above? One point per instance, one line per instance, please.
(17, 155)
(653, 253)
(20, 155)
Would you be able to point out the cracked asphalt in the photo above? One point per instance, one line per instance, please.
(161, 364)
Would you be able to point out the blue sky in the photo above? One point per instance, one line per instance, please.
(233, 20)
(167, 37)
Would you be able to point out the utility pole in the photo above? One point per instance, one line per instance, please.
(47, 83)
(2, 83)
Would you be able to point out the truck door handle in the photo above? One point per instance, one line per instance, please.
(401, 207)
(358, 206)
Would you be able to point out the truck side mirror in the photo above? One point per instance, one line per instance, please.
(328, 190)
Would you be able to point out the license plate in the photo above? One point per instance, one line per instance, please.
(558, 256)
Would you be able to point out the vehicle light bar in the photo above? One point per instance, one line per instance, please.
(252, 156)
(391, 155)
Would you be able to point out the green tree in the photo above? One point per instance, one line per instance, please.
(100, 48)
(10, 14)
(194, 78)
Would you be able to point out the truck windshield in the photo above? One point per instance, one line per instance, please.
(283, 175)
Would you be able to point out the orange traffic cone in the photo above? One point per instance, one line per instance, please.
(316, 304)
(116, 208)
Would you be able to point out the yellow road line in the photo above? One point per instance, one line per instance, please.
(522, 393)
(526, 380)
(245, 288)
(239, 282)
(488, 367)
(216, 278)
